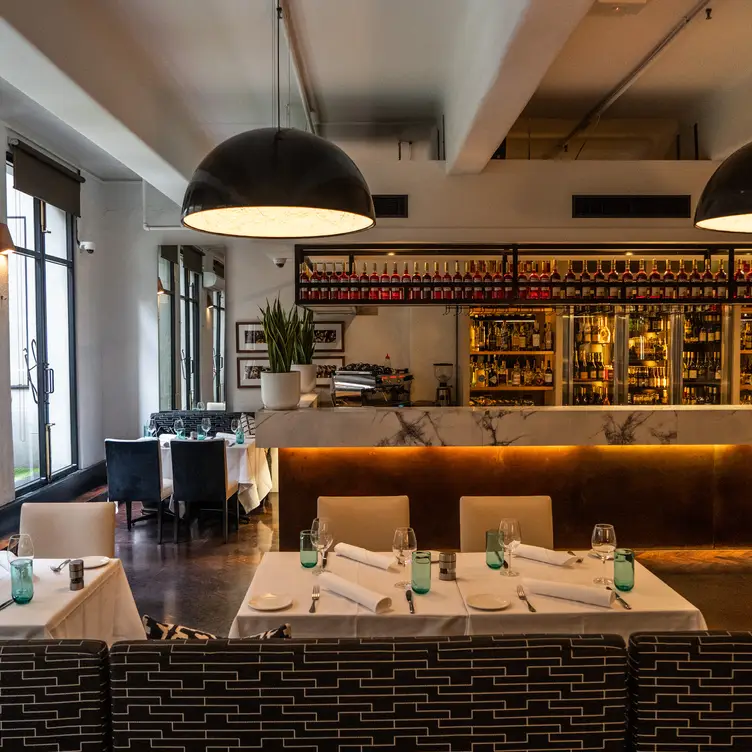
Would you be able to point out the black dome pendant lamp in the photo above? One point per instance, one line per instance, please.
(277, 183)
(726, 202)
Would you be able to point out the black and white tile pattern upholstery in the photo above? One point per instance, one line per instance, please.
(54, 696)
(691, 692)
(475, 694)
(220, 421)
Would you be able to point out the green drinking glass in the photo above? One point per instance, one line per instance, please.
(624, 569)
(421, 583)
(22, 580)
(309, 555)
(494, 550)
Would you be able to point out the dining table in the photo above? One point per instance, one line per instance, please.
(247, 466)
(445, 610)
(103, 610)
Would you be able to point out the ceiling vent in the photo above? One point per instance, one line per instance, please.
(612, 8)
(631, 207)
(390, 206)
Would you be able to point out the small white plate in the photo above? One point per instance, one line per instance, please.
(94, 562)
(487, 602)
(270, 602)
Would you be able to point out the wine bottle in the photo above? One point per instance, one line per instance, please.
(427, 292)
(585, 282)
(365, 290)
(627, 279)
(457, 289)
(385, 292)
(508, 282)
(545, 282)
(614, 288)
(721, 281)
(355, 291)
(548, 377)
(437, 289)
(533, 284)
(467, 282)
(599, 281)
(447, 283)
(740, 282)
(522, 282)
(656, 282)
(695, 281)
(707, 281)
(477, 282)
(557, 290)
(669, 282)
(497, 289)
(570, 283)
(397, 292)
(414, 288)
(642, 281)
(487, 282)
(373, 289)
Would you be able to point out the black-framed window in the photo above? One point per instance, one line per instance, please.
(190, 330)
(42, 339)
(166, 323)
(218, 345)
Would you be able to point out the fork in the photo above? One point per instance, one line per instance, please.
(579, 559)
(315, 595)
(521, 595)
(59, 567)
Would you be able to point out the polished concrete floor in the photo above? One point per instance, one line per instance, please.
(201, 583)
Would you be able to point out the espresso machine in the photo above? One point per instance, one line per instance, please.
(443, 372)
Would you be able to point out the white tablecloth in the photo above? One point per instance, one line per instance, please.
(103, 610)
(246, 466)
(443, 611)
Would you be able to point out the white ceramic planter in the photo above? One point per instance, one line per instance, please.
(307, 376)
(280, 391)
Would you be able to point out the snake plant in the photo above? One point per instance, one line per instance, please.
(305, 344)
(281, 333)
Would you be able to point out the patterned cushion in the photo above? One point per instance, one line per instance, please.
(500, 694)
(155, 630)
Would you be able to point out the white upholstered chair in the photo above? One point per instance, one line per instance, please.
(63, 530)
(481, 513)
(366, 521)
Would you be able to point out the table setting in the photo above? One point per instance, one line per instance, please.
(86, 598)
(512, 588)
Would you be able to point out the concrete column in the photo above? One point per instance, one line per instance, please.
(7, 491)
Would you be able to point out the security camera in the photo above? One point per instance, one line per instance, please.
(87, 246)
(280, 262)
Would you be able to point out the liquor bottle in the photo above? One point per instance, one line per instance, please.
(305, 282)
(315, 284)
(627, 279)
(585, 282)
(545, 282)
(669, 282)
(361, 290)
(437, 289)
(656, 282)
(748, 280)
(385, 293)
(548, 376)
(707, 281)
(692, 368)
(487, 282)
(497, 282)
(325, 290)
(599, 281)
(414, 289)
(528, 374)
(467, 282)
(343, 287)
(477, 281)
(642, 281)
(584, 370)
(695, 281)
(557, 290)
(480, 373)
(570, 283)
(516, 373)
(354, 292)
(521, 282)
(503, 374)
(493, 376)
(457, 289)
(447, 283)
(740, 282)
(592, 369)
(427, 292)
(548, 337)
(397, 293)
(533, 284)
(508, 282)
(536, 339)
(718, 373)
(373, 282)
(613, 286)
(721, 281)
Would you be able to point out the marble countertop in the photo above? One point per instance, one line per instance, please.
(514, 426)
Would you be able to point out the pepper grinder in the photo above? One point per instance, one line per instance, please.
(76, 569)
(447, 565)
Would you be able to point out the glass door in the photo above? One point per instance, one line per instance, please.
(702, 363)
(648, 370)
(42, 366)
(591, 363)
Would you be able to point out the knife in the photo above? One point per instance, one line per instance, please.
(620, 599)
(6, 604)
(409, 596)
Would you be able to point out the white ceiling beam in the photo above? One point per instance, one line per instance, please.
(72, 59)
(503, 52)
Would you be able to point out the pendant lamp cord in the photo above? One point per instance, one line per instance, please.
(277, 63)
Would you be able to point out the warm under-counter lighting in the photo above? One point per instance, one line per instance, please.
(726, 202)
(6, 241)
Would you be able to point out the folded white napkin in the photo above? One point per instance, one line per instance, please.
(228, 437)
(372, 600)
(5, 567)
(364, 556)
(597, 596)
(546, 555)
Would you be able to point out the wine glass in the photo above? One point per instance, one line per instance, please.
(510, 537)
(179, 427)
(234, 425)
(20, 546)
(152, 427)
(321, 536)
(403, 545)
(206, 425)
(200, 406)
(604, 543)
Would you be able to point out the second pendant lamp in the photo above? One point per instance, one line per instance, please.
(726, 201)
(278, 183)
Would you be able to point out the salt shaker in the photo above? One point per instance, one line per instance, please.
(76, 569)
(447, 566)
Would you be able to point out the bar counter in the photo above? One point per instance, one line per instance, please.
(664, 476)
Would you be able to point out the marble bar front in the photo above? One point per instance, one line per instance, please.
(665, 476)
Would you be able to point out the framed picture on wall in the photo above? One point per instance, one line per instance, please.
(249, 372)
(329, 336)
(249, 337)
(325, 368)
